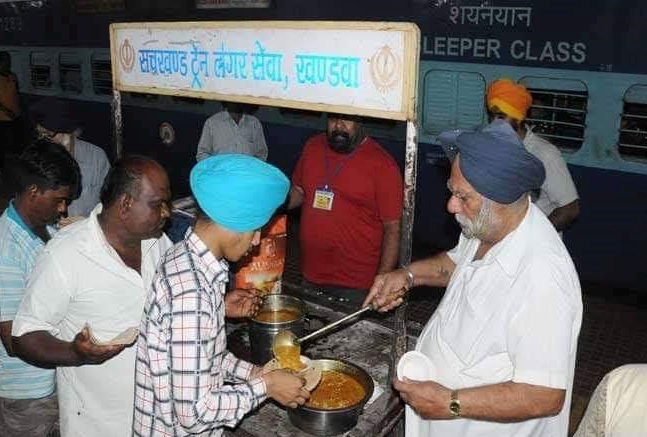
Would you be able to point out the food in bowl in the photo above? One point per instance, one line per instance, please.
(278, 316)
(336, 390)
(289, 357)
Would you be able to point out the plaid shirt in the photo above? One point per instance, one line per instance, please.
(182, 360)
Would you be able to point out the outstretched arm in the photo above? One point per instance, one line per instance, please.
(388, 289)
(42, 349)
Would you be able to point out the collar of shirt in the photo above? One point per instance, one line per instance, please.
(508, 252)
(95, 245)
(12, 213)
(215, 270)
(240, 121)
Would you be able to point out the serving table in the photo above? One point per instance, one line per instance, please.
(364, 343)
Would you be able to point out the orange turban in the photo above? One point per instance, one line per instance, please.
(511, 98)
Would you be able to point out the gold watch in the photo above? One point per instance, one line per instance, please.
(454, 405)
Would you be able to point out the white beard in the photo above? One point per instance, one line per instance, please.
(480, 225)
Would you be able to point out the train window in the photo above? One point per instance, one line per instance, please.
(558, 111)
(40, 71)
(452, 100)
(101, 75)
(633, 124)
(69, 65)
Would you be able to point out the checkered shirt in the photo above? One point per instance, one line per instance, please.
(182, 358)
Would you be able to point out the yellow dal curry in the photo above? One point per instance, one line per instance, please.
(336, 390)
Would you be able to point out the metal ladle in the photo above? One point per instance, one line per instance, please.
(288, 339)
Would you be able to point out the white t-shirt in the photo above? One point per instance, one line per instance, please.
(558, 188)
(513, 315)
(78, 279)
(221, 134)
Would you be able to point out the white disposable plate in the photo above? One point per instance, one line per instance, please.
(416, 366)
(311, 373)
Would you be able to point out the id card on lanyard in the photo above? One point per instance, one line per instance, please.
(323, 199)
(324, 195)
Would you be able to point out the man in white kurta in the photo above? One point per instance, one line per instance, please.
(81, 279)
(501, 344)
(514, 315)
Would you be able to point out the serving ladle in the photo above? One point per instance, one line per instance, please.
(286, 339)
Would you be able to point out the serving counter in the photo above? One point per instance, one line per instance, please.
(364, 343)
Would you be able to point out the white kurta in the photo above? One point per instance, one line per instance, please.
(618, 405)
(80, 279)
(514, 315)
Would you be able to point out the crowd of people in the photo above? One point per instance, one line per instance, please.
(84, 257)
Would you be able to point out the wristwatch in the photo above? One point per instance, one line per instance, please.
(454, 405)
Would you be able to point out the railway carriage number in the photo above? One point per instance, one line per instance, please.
(10, 24)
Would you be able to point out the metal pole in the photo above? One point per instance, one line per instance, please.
(399, 345)
(410, 168)
(117, 123)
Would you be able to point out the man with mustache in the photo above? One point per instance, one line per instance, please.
(502, 342)
(96, 272)
(350, 192)
(188, 383)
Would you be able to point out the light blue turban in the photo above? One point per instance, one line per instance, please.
(496, 163)
(239, 192)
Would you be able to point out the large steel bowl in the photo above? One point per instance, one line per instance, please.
(330, 422)
(261, 334)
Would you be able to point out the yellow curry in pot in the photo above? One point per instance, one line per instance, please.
(277, 316)
(336, 390)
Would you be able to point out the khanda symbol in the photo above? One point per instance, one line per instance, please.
(127, 56)
(385, 69)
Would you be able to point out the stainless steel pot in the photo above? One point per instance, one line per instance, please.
(261, 334)
(330, 422)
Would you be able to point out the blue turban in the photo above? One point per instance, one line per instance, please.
(239, 192)
(496, 163)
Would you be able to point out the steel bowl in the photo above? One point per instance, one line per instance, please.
(261, 334)
(330, 422)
